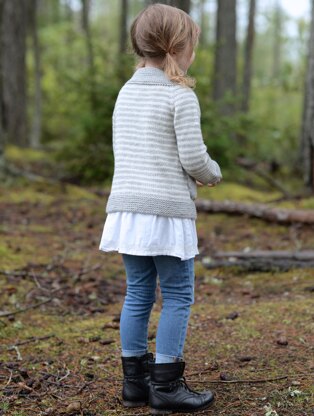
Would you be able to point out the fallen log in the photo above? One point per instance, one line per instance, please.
(278, 254)
(262, 211)
(261, 260)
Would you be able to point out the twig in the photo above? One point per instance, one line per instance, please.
(58, 397)
(5, 314)
(261, 380)
(199, 372)
(85, 271)
(19, 357)
(21, 273)
(24, 386)
(32, 339)
(83, 387)
(65, 376)
(37, 282)
(10, 378)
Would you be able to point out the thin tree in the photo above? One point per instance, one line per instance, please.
(202, 17)
(90, 50)
(248, 54)
(2, 128)
(225, 68)
(69, 10)
(123, 26)
(307, 134)
(122, 58)
(278, 23)
(14, 70)
(37, 116)
(181, 4)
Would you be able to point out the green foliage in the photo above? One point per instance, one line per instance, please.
(78, 104)
(278, 113)
(221, 133)
(269, 132)
(88, 155)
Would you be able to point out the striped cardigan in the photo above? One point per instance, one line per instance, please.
(158, 147)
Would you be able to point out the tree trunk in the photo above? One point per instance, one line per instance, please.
(225, 75)
(123, 26)
(2, 127)
(122, 58)
(54, 10)
(202, 17)
(181, 4)
(69, 10)
(277, 41)
(37, 106)
(307, 135)
(248, 53)
(185, 5)
(14, 71)
(90, 51)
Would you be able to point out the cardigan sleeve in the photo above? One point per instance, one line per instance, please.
(191, 147)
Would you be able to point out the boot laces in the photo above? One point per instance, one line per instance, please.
(181, 381)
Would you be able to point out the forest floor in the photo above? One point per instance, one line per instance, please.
(250, 336)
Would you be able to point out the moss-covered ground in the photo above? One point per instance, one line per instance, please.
(250, 337)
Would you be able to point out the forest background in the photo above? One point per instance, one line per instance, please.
(250, 336)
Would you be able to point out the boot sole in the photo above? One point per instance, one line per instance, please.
(133, 404)
(168, 411)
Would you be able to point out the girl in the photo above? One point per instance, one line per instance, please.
(160, 157)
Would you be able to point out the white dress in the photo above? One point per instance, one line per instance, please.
(149, 235)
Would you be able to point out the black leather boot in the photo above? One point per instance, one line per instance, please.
(135, 391)
(169, 392)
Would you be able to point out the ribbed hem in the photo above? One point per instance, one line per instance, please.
(148, 205)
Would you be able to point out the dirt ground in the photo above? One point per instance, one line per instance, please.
(250, 337)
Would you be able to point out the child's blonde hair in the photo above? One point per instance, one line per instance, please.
(159, 29)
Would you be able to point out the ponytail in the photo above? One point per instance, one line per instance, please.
(175, 73)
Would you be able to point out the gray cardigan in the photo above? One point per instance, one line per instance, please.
(158, 147)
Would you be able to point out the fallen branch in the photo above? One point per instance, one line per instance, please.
(12, 170)
(261, 260)
(262, 211)
(252, 166)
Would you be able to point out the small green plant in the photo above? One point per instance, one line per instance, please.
(4, 406)
(269, 410)
(294, 393)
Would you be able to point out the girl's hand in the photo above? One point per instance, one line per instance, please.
(209, 184)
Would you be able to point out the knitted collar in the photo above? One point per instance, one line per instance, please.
(150, 75)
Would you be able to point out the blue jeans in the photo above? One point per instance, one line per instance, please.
(176, 279)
